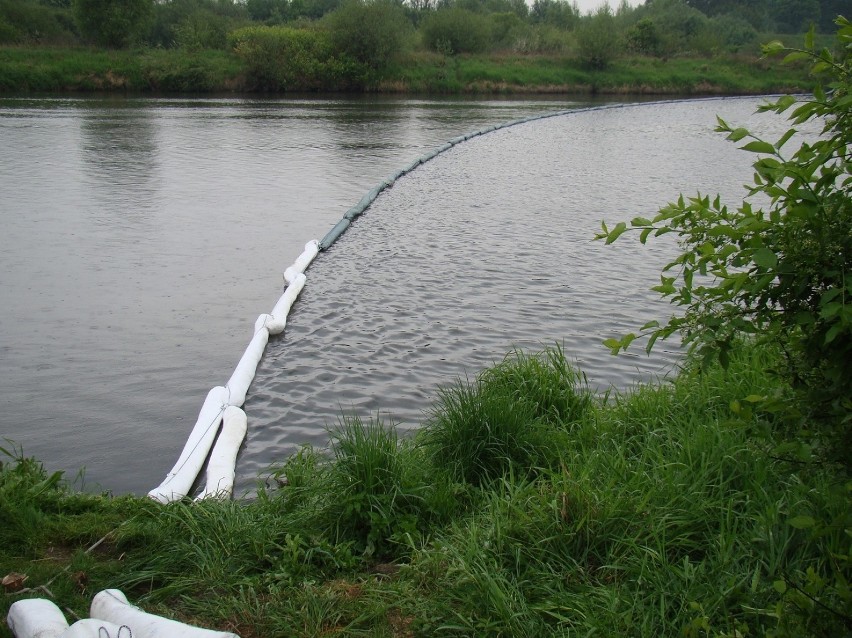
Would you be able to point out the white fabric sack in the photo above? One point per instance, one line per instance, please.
(92, 628)
(285, 303)
(302, 261)
(36, 618)
(113, 606)
(179, 481)
(223, 458)
(243, 375)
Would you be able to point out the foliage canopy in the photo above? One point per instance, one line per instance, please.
(780, 272)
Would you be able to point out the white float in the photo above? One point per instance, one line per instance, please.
(36, 618)
(91, 628)
(111, 605)
(220, 477)
(179, 480)
(302, 261)
(220, 467)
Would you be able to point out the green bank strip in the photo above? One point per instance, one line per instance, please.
(163, 71)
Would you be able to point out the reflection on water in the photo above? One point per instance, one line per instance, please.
(119, 152)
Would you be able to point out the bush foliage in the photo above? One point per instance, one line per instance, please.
(782, 272)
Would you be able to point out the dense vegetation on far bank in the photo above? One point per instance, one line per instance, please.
(451, 46)
(50, 70)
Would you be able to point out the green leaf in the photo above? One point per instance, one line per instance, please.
(795, 56)
(784, 103)
(614, 345)
(738, 134)
(780, 586)
(650, 324)
(802, 522)
(832, 333)
(640, 221)
(616, 232)
(765, 258)
(773, 48)
(785, 138)
(758, 146)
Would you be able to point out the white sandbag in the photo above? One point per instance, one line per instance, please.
(93, 628)
(112, 605)
(223, 458)
(179, 480)
(36, 618)
(243, 375)
(302, 261)
(285, 303)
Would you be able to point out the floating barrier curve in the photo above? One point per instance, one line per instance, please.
(222, 424)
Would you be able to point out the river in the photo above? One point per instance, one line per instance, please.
(143, 236)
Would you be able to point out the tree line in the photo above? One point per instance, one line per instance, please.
(348, 43)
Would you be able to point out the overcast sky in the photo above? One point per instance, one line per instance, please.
(590, 5)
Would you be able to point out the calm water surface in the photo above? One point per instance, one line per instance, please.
(143, 237)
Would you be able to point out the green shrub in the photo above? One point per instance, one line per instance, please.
(598, 39)
(30, 22)
(643, 37)
(783, 272)
(557, 13)
(372, 32)
(113, 23)
(455, 30)
(733, 32)
(202, 30)
(507, 30)
(288, 59)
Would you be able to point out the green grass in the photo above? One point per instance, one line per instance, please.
(46, 69)
(30, 69)
(722, 74)
(524, 507)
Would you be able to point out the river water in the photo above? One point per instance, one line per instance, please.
(142, 237)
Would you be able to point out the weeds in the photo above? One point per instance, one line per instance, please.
(660, 512)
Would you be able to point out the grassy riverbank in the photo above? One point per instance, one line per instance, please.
(50, 70)
(525, 507)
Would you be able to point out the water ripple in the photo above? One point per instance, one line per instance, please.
(485, 249)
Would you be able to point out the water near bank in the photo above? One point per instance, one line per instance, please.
(144, 237)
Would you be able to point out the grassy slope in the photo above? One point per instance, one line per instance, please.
(526, 507)
(56, 70)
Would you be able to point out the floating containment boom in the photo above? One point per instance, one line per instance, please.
(220, 413)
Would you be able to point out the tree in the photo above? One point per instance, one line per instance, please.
(370, 32)
(597, 39)
(455, 30)
(113, 23)
(781, 274)
(795, 16)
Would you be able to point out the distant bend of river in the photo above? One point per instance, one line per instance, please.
(143, 237)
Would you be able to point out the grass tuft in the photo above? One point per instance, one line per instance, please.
(525, 507)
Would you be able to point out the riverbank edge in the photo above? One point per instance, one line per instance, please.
(28, 70)
(594, 515)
